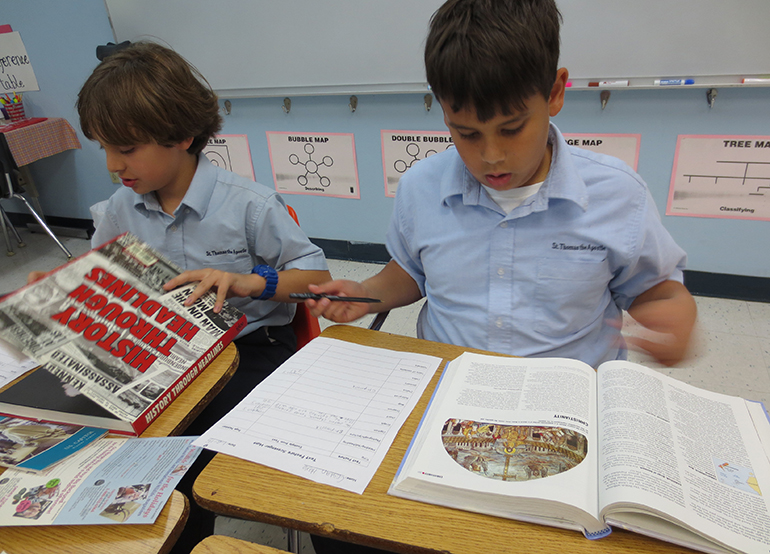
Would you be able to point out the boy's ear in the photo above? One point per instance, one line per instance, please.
(185, 144)
(556, 100)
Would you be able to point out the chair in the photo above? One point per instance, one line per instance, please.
(305, 325)
(10, 187)
(220, 544)
(378, 320)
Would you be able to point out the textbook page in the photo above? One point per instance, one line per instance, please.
(328, 414)
(512, 437)
(691, 455)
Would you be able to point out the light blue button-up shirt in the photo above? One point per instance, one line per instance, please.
(224, 222)
(544, 280)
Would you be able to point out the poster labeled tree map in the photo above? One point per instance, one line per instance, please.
(721, 176)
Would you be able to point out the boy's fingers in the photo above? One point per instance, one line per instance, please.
(195, 294)
(222, 289)
(182, 278)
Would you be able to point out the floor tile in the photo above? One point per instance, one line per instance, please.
(760, 318)
(723, 315)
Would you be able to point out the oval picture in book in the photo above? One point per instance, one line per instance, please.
(513, 452)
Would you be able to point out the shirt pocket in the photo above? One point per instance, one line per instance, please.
(570, 295)
(231, 262)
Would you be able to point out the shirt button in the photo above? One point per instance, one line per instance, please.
(499, 322)
(173, 228)
(504, 225)
(501, 272)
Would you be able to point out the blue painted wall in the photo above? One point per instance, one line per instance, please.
(61, 38)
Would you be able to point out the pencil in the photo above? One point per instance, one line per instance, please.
(312, 296)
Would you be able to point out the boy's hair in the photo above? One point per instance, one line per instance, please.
(492, 55)
(148, 93)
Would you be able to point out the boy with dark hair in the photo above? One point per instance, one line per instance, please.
(520, 243)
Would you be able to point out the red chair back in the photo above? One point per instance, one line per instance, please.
(305, 325)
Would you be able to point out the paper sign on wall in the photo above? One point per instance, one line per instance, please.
(321, 164)
(622, 146)
(402, 149)
(16, 73)
(231, 152)
(721, 176)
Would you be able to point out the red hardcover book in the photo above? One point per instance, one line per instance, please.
(115, 349)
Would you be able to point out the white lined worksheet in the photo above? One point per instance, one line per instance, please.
(13, 363)
(328, 414)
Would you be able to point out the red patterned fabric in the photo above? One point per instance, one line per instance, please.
(39, 137)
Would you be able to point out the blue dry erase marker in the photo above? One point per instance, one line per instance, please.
(666, 82)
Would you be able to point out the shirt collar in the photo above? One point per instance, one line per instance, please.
(563, 180)
(197, 196)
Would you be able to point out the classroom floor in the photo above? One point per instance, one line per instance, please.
(731, 353)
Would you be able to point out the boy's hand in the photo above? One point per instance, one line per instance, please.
(226, 285)
(669, 309)
(339, 312)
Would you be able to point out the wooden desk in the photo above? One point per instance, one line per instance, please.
(245, 490)
(133, 539)
(101, 539)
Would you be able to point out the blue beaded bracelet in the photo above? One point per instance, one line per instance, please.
(271, 281)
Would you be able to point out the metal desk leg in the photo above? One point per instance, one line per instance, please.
(3, 221)
(43, 225)
(293, 538)
(25, 179)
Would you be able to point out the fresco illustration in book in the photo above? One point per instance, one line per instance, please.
(513, 452)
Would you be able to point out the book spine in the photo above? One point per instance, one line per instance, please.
(157, 407)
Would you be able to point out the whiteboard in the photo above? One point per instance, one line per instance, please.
(713, 41)
(289, 47)
(281, 47)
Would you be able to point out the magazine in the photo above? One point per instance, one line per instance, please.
(115, 348)
(112, 480)
(551, 441)
(36, 445)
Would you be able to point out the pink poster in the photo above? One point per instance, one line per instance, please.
(721, 176)
(319, 164)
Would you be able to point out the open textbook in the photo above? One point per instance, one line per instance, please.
(112, 480)
(116, 349)
(551, 441)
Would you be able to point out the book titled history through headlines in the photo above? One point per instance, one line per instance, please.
(115, 348)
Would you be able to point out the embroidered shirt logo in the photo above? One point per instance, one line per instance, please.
(579, 247)
(224, 252)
